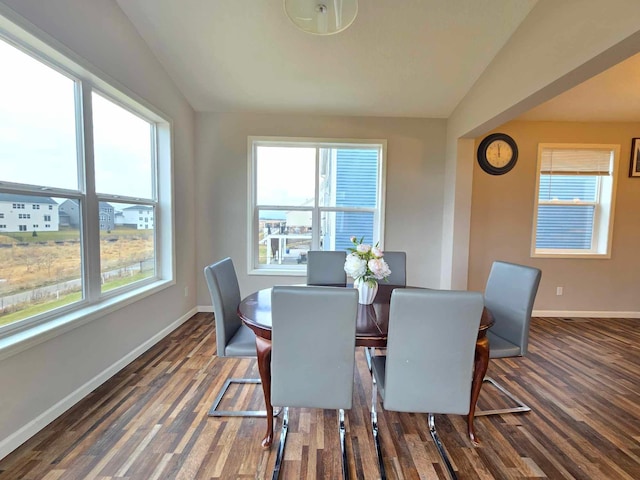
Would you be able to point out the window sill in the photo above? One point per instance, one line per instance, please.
(21, 340)
(278, 272)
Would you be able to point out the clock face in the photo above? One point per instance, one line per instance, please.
(497, 153)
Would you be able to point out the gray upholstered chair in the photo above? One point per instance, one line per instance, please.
(397, 262)
(509, 295)
(233, 338)
(322, 319)
(429, 363)
(326, 268)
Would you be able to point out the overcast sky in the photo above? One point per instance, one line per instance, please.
(38, 132)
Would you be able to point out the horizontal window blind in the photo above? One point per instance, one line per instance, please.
(561, 161)
(568, 188)
(565, 226)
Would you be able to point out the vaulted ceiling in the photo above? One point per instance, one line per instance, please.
(409, 58)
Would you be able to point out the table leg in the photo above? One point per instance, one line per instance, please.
(264, 366)
(481, 363)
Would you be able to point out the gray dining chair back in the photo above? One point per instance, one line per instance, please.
(430, 356)
(326, 267)
(233, 338)
(225, 298)
(321, 319)
(397, 262)
(509, 295)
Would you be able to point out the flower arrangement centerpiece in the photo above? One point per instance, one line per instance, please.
(366, 266)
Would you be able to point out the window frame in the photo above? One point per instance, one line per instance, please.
(603, 218)
(19, 335)
(253, 142)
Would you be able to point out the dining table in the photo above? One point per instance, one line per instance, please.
(371, 331)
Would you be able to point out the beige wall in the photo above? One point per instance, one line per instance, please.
(414, 193)
(557, 46)
(502, 213)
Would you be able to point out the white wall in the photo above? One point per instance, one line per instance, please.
(40, 383)
(415, 169)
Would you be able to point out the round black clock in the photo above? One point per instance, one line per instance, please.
(497, 153)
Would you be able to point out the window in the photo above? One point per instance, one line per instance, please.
(3, 226)
(575, 198)
(1, 215)
(309, 194)
(81, 172)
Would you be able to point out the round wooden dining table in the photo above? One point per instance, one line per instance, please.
(371, 331)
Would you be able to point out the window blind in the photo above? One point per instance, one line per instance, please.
(565, 161)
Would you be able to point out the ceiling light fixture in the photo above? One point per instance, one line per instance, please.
(321, 17)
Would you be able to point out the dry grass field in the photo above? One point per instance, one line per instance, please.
(51, 258)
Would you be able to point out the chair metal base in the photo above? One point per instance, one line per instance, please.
(283, 440)
(374, 429)
(440, 446)
(368, 353)
(521, 408)
(432, 431)
(214, 412)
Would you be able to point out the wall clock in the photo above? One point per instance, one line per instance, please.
(497, 153)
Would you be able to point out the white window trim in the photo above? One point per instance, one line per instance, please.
(252, 213)
(46, 49)
(601, 215)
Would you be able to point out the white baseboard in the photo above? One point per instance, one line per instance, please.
(205, 308)
(584, 314)
(16, 439)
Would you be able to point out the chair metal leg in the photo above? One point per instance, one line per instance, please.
(343, 449)
(214, 412)
(374, 429)
(519, 409)
(283, 439)
(368, 353)
(441, 450)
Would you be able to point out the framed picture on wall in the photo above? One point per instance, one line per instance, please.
(634, 168)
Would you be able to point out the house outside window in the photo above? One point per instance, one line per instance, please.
(575, 200)
(125, 162)
(312, 194)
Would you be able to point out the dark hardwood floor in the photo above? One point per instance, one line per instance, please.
(581, 378)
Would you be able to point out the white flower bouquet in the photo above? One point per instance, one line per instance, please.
(365, 263)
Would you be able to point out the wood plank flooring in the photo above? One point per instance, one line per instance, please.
(149, 422)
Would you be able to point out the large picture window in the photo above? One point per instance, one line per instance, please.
(309, 194)
(575, 200)
(81, 162)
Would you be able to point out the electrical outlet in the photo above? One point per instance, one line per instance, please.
(559, 290)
